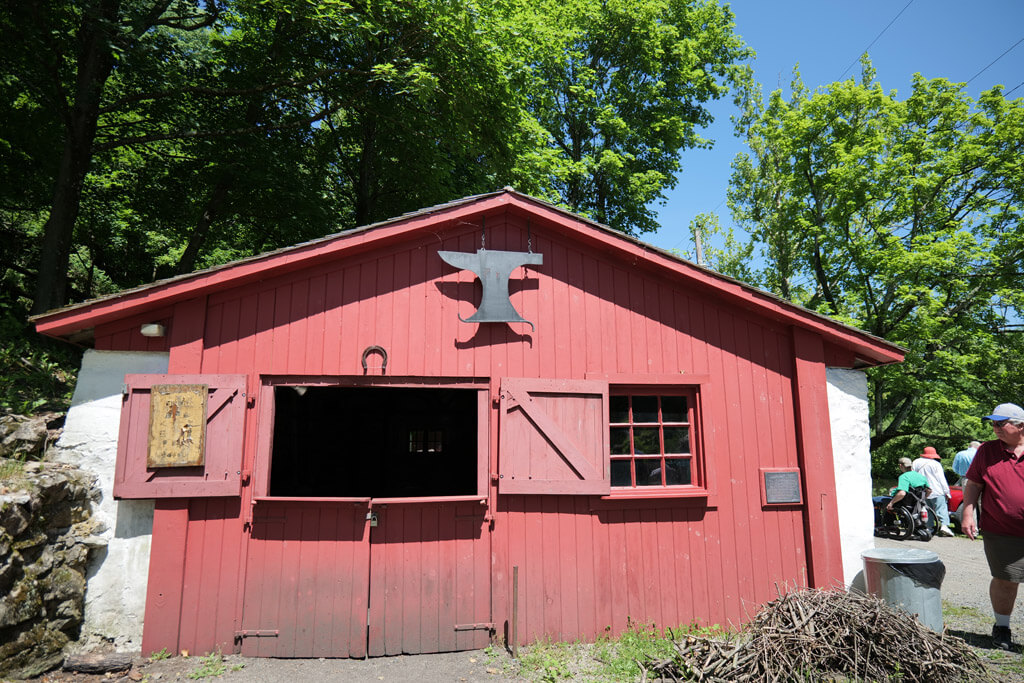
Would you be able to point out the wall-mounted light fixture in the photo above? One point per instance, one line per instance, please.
(152, 330)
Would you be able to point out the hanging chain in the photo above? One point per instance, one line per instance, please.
(483, 232)
(529, 237)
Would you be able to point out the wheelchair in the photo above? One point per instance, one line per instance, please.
(908, 519)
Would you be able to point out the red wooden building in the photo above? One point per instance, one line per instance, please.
(653, 445)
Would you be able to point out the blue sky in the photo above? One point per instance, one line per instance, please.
(937, 38)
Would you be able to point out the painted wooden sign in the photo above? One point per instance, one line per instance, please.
(177, 425)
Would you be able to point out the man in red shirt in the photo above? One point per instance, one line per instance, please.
(998, 471)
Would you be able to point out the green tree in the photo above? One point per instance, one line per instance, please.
(191, 132)
(718, 249)
(901, 217)
(616, 89)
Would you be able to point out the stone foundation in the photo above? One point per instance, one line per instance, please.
(47, 533)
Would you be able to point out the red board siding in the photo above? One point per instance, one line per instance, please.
(582, 570)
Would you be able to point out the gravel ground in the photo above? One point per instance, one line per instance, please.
(966, 608)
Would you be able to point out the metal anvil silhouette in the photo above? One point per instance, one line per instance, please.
(493, 268)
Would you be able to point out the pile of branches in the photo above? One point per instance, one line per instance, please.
(814, 635)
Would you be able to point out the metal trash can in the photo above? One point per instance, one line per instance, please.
(907, 578)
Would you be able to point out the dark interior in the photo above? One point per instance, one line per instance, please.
(377, 442)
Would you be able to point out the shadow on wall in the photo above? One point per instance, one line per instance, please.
(134, 519)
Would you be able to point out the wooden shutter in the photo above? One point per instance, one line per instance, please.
(220, 473)
(554, 437)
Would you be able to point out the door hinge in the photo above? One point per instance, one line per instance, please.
(483, 626)
(266, 633)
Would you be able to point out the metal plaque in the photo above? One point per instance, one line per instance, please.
(782, 488)
(493, 268)
(177, 425)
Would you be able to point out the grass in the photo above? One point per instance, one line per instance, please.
(12, 470)
(609, 659)
(212, 666)
(953, 611)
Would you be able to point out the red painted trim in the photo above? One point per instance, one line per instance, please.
(429, 499)
(365, 502)
(659, 492)
(638, 379)
(814, 446)
(696, 501)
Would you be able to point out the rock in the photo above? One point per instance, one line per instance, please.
(23, 436)
(94, 542)
(63, 583)
(36, 667)
(14, 513)
(11, 567)
(20, 604)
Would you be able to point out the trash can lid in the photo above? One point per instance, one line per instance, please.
(900, 555)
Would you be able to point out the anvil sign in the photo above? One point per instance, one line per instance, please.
(493, 268)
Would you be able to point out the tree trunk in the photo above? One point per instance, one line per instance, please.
(364, 186)
(216, 201)
(94, 65)
(222, 189)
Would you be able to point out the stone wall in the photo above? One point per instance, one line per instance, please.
(46, 536)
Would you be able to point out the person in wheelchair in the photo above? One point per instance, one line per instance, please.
(908, 502)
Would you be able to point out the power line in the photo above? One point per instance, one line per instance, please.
(876, 38)
(1010, 91)
(686, 237)
(1008, 50)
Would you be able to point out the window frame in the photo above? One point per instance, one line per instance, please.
(266, 415)
(696, 388)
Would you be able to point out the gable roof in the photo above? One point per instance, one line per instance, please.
(76, 321)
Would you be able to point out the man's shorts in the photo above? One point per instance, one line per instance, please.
(1005, 556)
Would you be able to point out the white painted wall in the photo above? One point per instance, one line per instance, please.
(851, 449)
(115, 597)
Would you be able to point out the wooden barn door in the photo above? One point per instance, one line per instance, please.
(430, 578)
(307, 579)
(324, 581)
(342, 576)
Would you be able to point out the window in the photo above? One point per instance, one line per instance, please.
(426, 440)
(651, 439)
(374, 442)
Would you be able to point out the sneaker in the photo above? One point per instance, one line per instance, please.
(1001, 637)
(945, 531)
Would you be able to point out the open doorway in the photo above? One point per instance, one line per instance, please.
(374, 442)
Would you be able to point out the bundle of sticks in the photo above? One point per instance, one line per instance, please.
(815, 635)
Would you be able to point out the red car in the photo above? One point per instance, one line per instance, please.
(956, 499)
